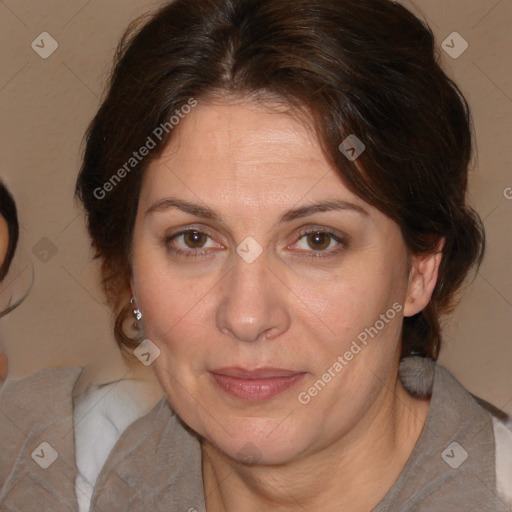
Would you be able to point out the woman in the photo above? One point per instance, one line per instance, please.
(284, 184)
(9, 234)
(9, 230)
(276, 191)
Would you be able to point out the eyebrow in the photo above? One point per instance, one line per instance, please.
(204, 212)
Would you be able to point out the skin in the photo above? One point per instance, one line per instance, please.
(4, 239)
(4, 243)
(4, 366)
(295, 307)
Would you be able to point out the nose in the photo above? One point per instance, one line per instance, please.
(252, 306)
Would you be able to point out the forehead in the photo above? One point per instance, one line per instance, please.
(245, 150)
(244, 130)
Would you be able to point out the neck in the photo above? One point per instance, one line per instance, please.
(355, 472)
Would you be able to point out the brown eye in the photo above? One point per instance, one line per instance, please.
(195, 239)
(319, 241)
(192, 243)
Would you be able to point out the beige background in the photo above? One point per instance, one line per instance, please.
(46, 105)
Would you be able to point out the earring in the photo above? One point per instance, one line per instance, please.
(136, 312)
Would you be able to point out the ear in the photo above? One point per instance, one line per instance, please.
(424, 270)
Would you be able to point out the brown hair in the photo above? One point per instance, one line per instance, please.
(363, 67)
(9, 213)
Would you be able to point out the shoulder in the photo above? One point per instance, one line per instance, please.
(463, 455)
(101, 413)
(46, 395)
(37, 417)
(159, 454)
(503, 447)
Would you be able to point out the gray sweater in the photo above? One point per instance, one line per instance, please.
(156, 463)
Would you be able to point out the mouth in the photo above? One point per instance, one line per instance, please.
(255, 385)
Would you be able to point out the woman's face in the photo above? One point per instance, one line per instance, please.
(274, 343)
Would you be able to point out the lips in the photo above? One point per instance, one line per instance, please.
(255, 385)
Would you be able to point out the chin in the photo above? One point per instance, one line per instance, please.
(259, 443)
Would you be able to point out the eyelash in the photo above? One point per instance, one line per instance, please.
(190, 253)
(312, 254)
(324, 231)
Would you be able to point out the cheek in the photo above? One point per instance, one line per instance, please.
(177, 310)
(168, 303)
(351, 301)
